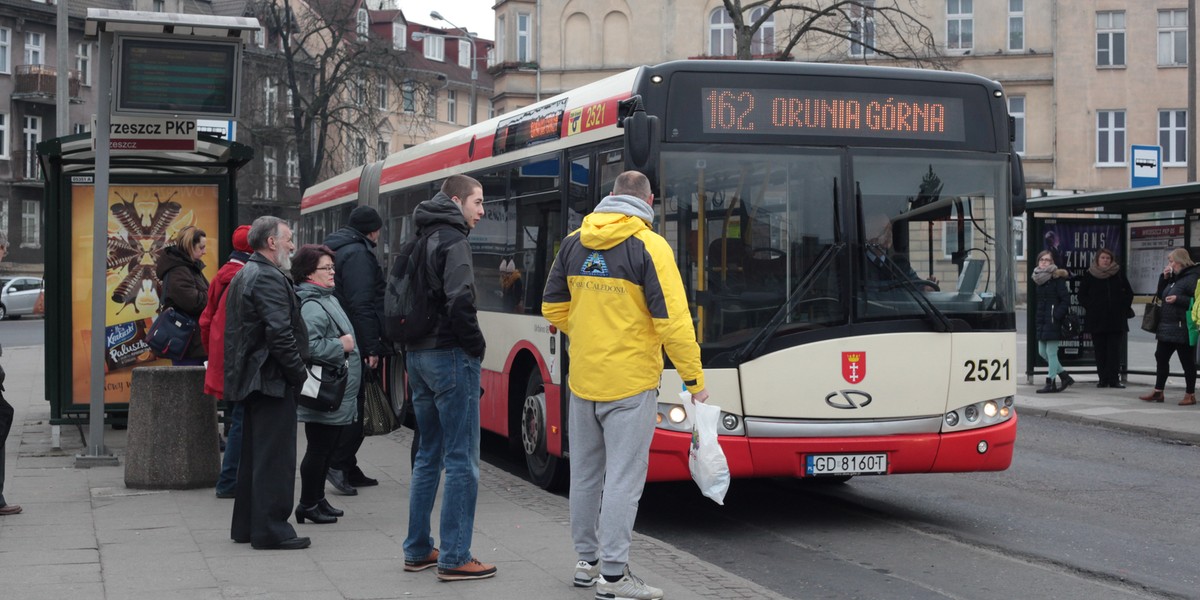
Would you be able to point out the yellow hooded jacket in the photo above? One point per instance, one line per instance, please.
(616, 292)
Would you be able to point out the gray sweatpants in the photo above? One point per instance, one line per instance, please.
(610, 451)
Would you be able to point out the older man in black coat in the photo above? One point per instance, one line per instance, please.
(266, 346)
(358, 285)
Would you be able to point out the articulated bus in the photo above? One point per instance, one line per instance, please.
(844, 234)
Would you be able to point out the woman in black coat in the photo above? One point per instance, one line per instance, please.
(1175, 288)
(184, 286)
(1107, 298)
(1053, 300)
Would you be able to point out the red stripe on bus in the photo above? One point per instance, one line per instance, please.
(442, 159)
(330, 194)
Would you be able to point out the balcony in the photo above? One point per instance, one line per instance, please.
(24, 166)
(38, 83)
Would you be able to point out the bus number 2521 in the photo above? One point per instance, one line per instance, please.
(986, 370)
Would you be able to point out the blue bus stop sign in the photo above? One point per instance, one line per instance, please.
(1146, 168)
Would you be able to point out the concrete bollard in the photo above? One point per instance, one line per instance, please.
(172, 439)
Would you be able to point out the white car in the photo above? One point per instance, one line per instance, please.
(18, 295)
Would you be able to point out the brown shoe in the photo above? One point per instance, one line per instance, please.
(1188, 400)
(473, 569)
(1155, 396)
(13, 509)
(412, 566)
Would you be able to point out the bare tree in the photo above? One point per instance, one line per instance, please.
(839, 29)
(342, 83)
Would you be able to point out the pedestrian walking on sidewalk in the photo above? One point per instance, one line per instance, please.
(329, 343)
(265, 352)
(6, 412)
(1176, 287)
(443, 371)
(616, 292)
(184, 286)
(1053, 302)
(1107, 300)
(358, 286)
(212, 335)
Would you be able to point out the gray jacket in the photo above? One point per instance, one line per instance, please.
(326, 322)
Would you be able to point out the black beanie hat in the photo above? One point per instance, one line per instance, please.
(365, 219)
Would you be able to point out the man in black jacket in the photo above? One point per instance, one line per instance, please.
(358, 286)
(266, 346)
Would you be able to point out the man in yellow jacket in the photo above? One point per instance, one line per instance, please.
(616, 292)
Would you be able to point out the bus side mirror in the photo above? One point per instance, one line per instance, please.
(641, 138)
(1017, 177)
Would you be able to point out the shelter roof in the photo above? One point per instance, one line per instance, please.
(1132, 201)
(213, 155)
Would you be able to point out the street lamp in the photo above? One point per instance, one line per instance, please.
(470, 39)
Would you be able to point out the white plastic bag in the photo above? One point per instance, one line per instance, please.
(706, 460)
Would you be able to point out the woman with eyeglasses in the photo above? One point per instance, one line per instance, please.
(1176, 287)
(330, 341)
(1053, 301)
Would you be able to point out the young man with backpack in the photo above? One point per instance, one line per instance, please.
(443, 371)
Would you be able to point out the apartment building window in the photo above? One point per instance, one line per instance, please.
(364, 23)
(4, 216)
(451, 106)
(160, 6)
(1172, 37)
(1016, 24)
(522, 37)
(720, 34)
(293, 166)
(1016, 110)
(34, 47)
(32, 135)
(464, 54)
(287, 102)
(399, 36)
(763, 42)
(1110, 38)
(431, 102)
(83, 63)
(260, 38)
(382, 95)
(1110, 137)
(79, 128)
(360, 91)
(1172, 136)
(3, 135)
(31, 224)
(381, 150)
(408, 96)
(501, 33)
(270, 100)
(269, 173)
(862, 31)
(435, 47)
(360, 151)
(960, 25)
(5, 50)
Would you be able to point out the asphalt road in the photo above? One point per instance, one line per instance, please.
(26, 331)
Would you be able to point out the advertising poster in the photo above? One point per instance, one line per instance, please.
(141, 219)
(1073, 244)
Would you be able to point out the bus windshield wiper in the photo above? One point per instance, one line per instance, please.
(753, 347)
(940, 322)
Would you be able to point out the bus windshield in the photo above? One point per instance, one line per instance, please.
(916, 237)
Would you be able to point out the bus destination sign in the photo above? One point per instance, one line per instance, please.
(177, 77)
(824, 113)
(529, 128)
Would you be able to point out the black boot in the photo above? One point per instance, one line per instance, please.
(313, 513)
(1067, 381)
(323, 506)
(1049, 388)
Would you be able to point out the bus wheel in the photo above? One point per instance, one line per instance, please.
(545, 471)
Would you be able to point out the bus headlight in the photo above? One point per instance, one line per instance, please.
(978, 414)
(952, 418)
(676, 414)
(971, 413)
(990, 409)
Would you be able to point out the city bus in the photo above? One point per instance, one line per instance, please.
(844, 234)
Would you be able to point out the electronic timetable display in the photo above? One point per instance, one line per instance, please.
(814, 112)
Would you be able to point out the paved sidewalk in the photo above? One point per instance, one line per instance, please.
(85, 536)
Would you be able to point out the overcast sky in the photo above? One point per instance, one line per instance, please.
(475, 15)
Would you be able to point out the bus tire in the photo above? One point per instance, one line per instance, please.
(545, 471)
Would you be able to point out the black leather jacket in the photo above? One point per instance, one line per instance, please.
(265, 337)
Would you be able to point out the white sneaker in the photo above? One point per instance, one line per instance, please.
(629, 587)
(586, 575)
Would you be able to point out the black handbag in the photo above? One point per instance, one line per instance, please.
(171, 334)
(1152, 315)
(325, 386)
(1069, 327)
(378, 418)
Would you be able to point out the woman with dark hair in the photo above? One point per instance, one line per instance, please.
(330, 341)
(1107, 298)
(1176, 288)
(1053, 301)
(184, 286)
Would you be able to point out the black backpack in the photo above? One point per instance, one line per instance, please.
(410, 307)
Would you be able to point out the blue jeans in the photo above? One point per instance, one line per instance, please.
(227, 481)
(445, 390)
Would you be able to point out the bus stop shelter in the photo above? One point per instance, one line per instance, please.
(152, 195)
(1139, 225)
